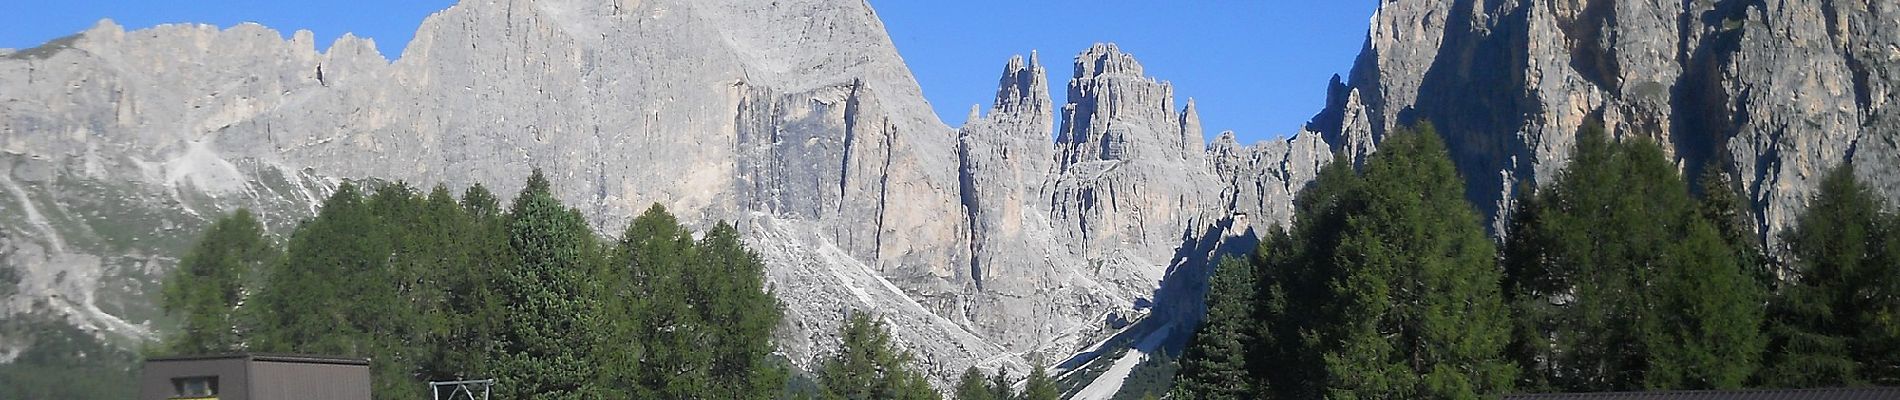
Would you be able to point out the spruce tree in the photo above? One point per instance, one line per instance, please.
(1039, 385)
(734, 301)
(1215, 362)
(1623, 282)
(1419, 299)
(973, 385)
(869, 366)
(432, 288)
(341, 287)
(1835, 321)
(1296, 322)
(1001, 387)
(544, 348)
(690, 319)
(473, 312)
(1705, 324)
(307, 306)
(1296, 314)
(212, 283)
(655, 309)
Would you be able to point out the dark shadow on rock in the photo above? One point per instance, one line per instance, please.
(1178, 302)
(1474, 94)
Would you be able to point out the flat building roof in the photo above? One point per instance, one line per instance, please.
(268, 357)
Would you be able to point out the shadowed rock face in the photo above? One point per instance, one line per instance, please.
(1775, 92)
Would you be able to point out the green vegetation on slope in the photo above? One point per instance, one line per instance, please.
(430, 287)
(1613, 277)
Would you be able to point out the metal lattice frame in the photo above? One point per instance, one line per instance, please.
(461, 390)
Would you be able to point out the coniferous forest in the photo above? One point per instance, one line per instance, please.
(435, 287)
(1617, 276)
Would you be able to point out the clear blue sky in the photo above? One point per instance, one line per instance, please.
(1258, 67)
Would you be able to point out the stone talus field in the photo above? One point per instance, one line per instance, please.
(1040, 227)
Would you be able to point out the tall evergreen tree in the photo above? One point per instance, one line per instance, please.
(973, 385)
(428, 287)
(1420, 293)
(1215, 364)
(212, 283)
(1621, 283)
(544, 349)
(1039, 385)
(654, 309)
(305, 308)
(1704, 327)
(1296, 315)
(461, 312)
(1386, 287)
(732, 298)
(697, 314)
(1837, 320)
(1001, 387)
(339, 289)
(869, 366)
(1724, 207)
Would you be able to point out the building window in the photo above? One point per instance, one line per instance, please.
(195, 387)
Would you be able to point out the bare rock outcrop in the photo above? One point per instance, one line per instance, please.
(1037, 228)
(1773, 92)
(796, 120)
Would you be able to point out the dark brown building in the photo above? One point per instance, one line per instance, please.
(1871, 393)
(255, 377)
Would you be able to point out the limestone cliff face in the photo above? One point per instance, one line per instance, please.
(810, 135)
(1776, 92)
(795, 119)
(1037, 228)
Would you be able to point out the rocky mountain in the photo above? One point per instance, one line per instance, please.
(1775, 92)
(1034, 231)
(797, 120)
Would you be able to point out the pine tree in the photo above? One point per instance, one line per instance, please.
(869, 366)
(213, 282)
(1215, 364)
(1838, 313)
(1622, 282)
(1420, 297)
(1001, 387)
(694, 318)
(1296, 322)
(1039, 385)
(1724, 207)
(1706, 327)
(734, 301)
(544, 348)
(429, 287)
(474, 314)
(655, 309)
(341, 287)
(308, 306)
(973, 385)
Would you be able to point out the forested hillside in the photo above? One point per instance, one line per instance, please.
(1616, 277)
(435, 287)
